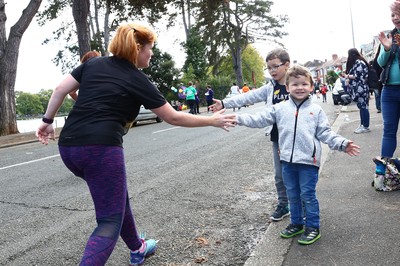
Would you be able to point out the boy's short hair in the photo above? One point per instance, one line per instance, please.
(279, 53)
(298, 70)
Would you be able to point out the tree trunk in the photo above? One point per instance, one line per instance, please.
(9, 50)
(237, 63)
(80, 11)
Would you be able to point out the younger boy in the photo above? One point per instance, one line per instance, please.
(302, 126)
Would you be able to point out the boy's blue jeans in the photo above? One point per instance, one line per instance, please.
(390, 104)
(301, 182)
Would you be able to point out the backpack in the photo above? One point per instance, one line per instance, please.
(389, 179)
(373, 79)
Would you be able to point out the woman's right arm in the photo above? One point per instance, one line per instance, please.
(171, 116)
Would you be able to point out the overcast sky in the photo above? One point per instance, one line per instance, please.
(317, 29)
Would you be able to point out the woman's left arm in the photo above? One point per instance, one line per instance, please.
(45, 130)
(68, 85)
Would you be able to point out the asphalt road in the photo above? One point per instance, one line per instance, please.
(205, 194)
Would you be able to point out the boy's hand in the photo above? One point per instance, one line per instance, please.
(216, 106)
(352, 149)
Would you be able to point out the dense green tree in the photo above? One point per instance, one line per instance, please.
(253, 66)
(331, 77)
(28, 104)
(234, 24)
(92, 23)
(162, 72)
(195, 55)
(44, 96)
(66, 107)
(220, 85)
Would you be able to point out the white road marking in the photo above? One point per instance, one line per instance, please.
(33, 161)
(160, 131)
(49, 157)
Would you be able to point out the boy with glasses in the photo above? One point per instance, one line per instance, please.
(274, 92)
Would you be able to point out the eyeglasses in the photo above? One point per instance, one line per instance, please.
(275, 68)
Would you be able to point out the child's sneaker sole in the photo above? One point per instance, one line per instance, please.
(304, 241)
(291, 235)
(292, 230)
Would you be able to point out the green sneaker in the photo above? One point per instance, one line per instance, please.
(309, 236)
(292, 230)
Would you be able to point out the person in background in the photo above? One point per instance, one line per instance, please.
(111, 91)
(209, 97)
(278, 61)
(324, 90)
(245, 89)
(388, 59)
(84, 58)
(234, 90)
(197, 104)
(374, 84)
(357, 76)
(190, 94)
(317, 85)
(306, 122)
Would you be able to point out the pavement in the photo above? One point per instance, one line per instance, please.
(359, 226)
(20, 138)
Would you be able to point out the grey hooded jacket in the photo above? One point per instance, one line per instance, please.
(301, 128)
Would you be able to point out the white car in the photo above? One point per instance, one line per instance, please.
(146, 114)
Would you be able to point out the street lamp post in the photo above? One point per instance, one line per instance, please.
(352, 28)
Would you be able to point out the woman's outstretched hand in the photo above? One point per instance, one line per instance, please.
(223, 121)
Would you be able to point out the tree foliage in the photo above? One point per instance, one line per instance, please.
(162, 72)
(195, 55)
(34, 105)
(93, 23)
(331, 77)
(253, 67)
(234, 25)
(29, 104)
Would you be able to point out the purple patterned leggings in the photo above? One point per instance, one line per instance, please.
(103, 169)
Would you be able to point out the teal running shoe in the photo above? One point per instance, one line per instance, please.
(138, 256)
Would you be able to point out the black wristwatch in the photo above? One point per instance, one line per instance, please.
(47, 121)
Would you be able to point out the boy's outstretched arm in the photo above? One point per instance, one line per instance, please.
(352, 149)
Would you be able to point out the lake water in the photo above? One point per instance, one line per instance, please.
(32, 124)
